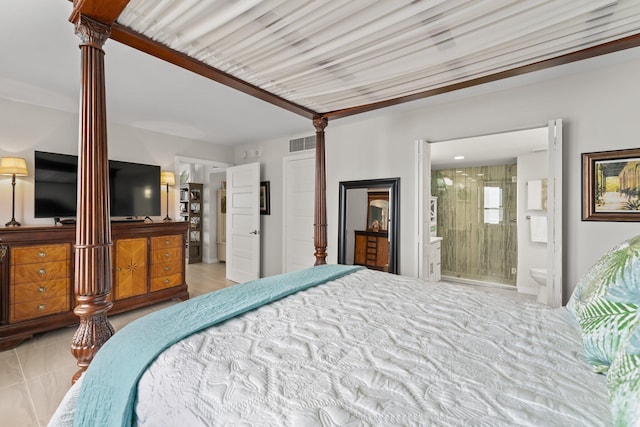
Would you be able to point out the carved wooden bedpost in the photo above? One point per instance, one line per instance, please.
(320, 213)
(93, 229)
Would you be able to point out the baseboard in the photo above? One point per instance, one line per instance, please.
(446, 278)
(528, 290)
(210, 260)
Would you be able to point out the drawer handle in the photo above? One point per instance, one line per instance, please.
(42, 271)
(166, 281)
(118, 269)
(166, 242)
(167, 268)
(167, 254)
(42, 254)
(42, 307)
(42, 289)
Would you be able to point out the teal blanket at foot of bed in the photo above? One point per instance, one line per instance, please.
(109, 386)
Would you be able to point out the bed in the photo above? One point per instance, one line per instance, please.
(176, 32)
(367, 348)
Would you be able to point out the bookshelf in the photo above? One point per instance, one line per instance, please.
(191, 199)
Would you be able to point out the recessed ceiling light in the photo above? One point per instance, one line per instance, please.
(458, 171)
(458, 158)
(480, 174)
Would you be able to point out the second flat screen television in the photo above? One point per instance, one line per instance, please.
(134, 188)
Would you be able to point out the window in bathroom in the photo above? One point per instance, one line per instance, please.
(493, 210)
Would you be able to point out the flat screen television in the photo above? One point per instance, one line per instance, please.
(134, 188)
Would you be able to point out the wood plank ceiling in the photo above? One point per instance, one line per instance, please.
(339, 57)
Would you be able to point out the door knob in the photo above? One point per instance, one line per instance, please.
(254, 232)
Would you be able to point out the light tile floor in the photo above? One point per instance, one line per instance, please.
(36, 374)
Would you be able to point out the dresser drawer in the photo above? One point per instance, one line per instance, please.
(36, 254)
(167, 268)
(164, 242)
(41, 290)
(28, 273)
(166, 255)
(44, 307)
(166, 282)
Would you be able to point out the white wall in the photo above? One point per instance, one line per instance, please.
(25, 128)
(599, 109)
(532, 166)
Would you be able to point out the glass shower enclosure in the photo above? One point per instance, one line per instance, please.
(477, 219)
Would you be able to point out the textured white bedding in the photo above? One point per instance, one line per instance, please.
(377, 349)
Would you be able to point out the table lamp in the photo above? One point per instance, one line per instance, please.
(167, 178)
(14, 166)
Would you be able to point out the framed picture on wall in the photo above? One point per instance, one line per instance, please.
(611, 185)
(265, 196)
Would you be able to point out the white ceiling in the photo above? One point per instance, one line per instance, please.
(40, 65)
(487, 150)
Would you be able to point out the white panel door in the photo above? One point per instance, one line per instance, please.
(299, 191)
(423, 167)
(243, 222)
(554, 216)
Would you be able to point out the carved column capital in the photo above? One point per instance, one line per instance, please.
(320, 123)
(91, 32)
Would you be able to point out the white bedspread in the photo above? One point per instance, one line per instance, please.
(377, 349)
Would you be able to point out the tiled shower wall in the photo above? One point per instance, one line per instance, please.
(479, 239)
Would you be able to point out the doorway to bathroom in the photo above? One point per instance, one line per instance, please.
(522, 162)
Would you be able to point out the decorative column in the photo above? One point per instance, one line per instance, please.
(320, 214)
(93, 228)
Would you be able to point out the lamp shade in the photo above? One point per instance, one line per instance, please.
(167, 178)
(13, 166)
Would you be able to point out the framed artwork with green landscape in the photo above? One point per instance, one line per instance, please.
(611, 185)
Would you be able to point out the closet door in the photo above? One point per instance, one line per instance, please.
(297, 221)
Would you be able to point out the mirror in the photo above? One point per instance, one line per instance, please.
(369, 223)
(378, 213)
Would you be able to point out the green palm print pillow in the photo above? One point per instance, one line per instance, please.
(605, 302)
(623, 381)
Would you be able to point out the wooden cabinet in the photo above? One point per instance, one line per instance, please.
(37, 274)
(372, 249)
(168, 262)
(130, 268)
(191, 211)
(39, 281)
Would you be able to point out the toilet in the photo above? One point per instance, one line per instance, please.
(540, 277)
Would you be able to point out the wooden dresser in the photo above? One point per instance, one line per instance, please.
(372, 249)
(39, 283)
(37, 274)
